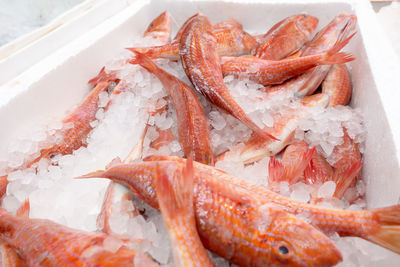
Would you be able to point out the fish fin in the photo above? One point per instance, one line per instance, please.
(339, 45)
(3, 185)
(24, 209)
(147, 51)
(137, 150)
(388, 235)
(160, 158)
(95, 174)
(114, 162)
(296, 168)
(276, 170)
(175, 194)
(144, 61)
(334, 57)
(338, 58)
(102, 221)
(103, 77)
(344, 178)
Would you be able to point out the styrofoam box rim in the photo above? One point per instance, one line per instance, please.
(379, 55)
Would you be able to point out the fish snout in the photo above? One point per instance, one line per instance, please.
(304, 245)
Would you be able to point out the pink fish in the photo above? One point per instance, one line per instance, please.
(175, 199)
(268, 72)
(285, 37)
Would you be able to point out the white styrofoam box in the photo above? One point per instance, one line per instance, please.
(22, 53)
(52, 86)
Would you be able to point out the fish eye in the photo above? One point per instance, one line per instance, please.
(52, 156)
(283, 250)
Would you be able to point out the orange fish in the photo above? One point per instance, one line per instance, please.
(231, 41)
(160, 28)
(306, 84)
(45, 243)
(201, 64)
(231, 220)
(285, 37)
(337, 85)
(318, 171)
(284, 126)
(9, 257)
(193, 129)
(74, 137)
(295, 160)
(380, 226)
(175, 199)
(268, 72)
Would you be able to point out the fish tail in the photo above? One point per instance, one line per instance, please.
(279, 173)
(297, 167)
(147, 51)
(95, 174)
(103, 76)
(388, 235)
(334, 57)
(143, 61)
(3, 185)
(175, 194)
(24, 209)
(344, 178)
(276, 170)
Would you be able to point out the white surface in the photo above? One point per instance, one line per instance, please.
(56, 83)
(27, 50)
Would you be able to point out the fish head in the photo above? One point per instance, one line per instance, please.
(248, 41)
(160, 24)
(344, 23)
(306, 23)
(294, 242)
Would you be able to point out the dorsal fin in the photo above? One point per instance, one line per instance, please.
(24, 209)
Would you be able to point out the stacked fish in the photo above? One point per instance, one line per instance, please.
(202, 206)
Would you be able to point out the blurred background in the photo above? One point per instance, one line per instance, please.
(18, 17)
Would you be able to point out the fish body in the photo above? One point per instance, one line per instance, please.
(285, 37)
(285, 124)
(201, 64)
(231, 41)
(45, 243)
(175, 199)
(306, 84)
(224, 206)
(193, 131)
(160, 28)
(74, 136)
(380, 226)
(9, 257)
(268, 72)
(337, 85)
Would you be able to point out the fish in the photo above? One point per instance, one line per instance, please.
(78, 127)
(201, 64)
(318, 171)
(295, 160)
(337, 85)
(223, 207)
(285, 124)
(9, 257)
(175, 199)
(285, 37)
(267, 72)
(348, 162)
(380, 226)
(42, 242)
(160, 28)
(231, 41)
(338, 29)
(193, 129)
